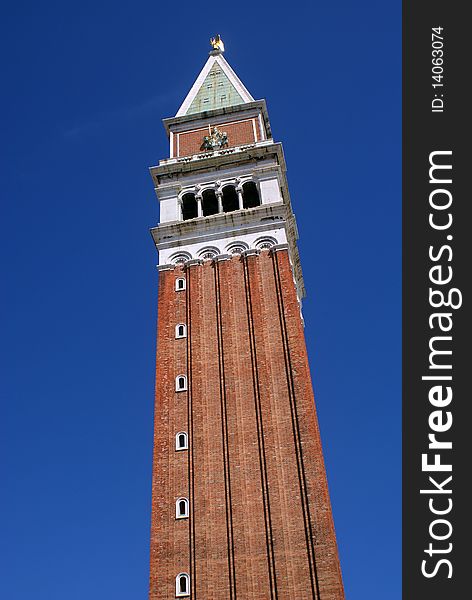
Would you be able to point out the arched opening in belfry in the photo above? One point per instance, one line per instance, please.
(250, 195)
(189, 206)
(230, 199)
(210, 203)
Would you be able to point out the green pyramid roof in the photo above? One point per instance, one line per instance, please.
(216, 91)
(217, 86)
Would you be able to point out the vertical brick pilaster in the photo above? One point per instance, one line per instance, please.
(253, 297)
(224, 432)
(326, 557)
(250, 548)
(169, 472)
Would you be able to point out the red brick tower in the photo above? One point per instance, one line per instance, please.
(240, 504)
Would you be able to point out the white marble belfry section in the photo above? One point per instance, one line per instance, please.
(267, 224)
(265, 176)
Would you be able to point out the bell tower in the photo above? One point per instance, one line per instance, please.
(240, 503)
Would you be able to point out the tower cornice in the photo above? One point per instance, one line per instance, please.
(218, 159)
(209, 228)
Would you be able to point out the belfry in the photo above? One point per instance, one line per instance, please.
(240, 503)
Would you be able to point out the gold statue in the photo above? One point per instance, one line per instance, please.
(217, 43)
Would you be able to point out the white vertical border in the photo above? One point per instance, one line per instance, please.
(261, 127)
(254, 129)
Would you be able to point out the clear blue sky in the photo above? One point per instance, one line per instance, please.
(84, 88)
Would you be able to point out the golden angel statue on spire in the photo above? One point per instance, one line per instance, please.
(217, 43)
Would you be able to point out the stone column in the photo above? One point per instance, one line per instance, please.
(239, 191)
(198, 198)
(219, 197)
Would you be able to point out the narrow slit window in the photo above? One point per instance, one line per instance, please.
(181, 330)
(181, 441)
(181, 508)
(182, 585)
(180, 383)
(179, 284)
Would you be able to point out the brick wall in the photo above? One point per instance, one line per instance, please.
(240, 132)
(260, 523)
